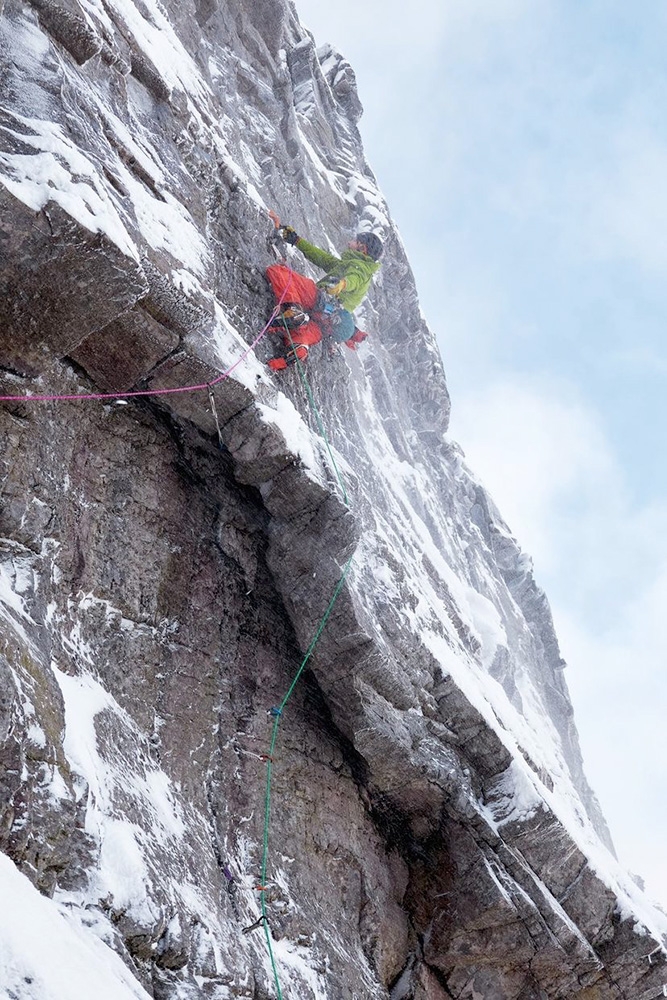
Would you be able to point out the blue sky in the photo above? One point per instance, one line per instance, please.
(522, 147)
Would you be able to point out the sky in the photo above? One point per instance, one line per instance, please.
(522, 148)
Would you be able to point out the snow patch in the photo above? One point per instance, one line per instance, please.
(49, 953)
(58, 171)
(285, 416)
(12, 606)
(231, 346)
(514, 797)
(486, 623)
(158, 41)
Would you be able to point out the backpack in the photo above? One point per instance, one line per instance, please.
(335, 321)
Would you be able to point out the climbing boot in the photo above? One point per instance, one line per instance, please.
(277, 364)
(299, 352)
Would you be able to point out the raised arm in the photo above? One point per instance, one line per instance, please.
(318, 257)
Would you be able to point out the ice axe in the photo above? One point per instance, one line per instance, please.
(275, 239)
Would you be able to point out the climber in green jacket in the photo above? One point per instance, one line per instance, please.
(309, 311)
(347, 277)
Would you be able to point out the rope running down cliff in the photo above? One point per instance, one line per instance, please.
(278, 712)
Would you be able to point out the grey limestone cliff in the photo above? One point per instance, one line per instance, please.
(431, 832)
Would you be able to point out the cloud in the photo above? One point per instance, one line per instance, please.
(546, 459)
(619, 690)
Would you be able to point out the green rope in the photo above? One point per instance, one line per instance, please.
(306, 384)
(269, 764)
(313, 406)
(295, 680)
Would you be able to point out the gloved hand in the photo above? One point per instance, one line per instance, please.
(335, 285)
(289, 234)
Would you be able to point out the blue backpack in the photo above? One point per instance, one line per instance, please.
(339, 322)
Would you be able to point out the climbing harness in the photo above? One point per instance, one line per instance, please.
(294, 317)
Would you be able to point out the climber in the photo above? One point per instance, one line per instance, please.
(311, 310)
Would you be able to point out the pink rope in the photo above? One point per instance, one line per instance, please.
(150, 392)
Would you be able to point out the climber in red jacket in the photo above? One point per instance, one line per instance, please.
(307, 314)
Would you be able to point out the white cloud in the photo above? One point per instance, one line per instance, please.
(546, 459)
(619, 689)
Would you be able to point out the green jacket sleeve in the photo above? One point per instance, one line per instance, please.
(320, 258)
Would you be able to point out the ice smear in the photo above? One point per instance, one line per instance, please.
(231, 346)
(486, 623)
(9, 597)
(123, 874)
(47, 952)
(12, 606)
(124, 783)
(158, 40)
(84, 699)
(167, 225)
(293, 962)
(514, 798)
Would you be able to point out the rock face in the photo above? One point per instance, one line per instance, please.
(431, 831)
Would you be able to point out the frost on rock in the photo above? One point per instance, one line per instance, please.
(166, 563)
